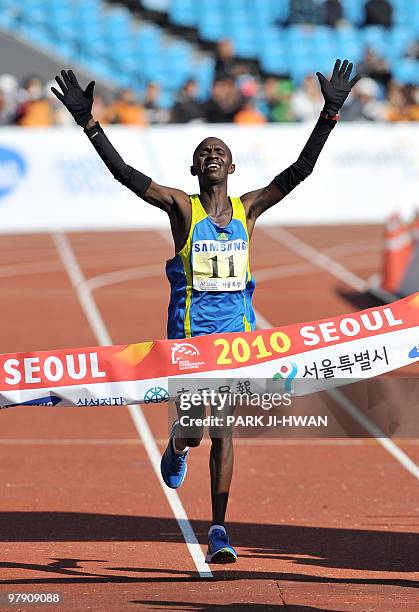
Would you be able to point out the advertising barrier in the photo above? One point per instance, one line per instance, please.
(52, 179)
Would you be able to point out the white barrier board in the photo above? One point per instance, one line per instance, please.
(52, 179)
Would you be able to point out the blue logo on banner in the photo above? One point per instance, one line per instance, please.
(12, 169)
(49, 400)
(155, 395)
(414, 353)
(287, 373)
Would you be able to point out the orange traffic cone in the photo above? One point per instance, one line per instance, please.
(414, 228)
(398, 249)
(410, 282)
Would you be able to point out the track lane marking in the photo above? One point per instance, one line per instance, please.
(23, 269)
(316, 257)
(375, 431)
(121, 276)
(100, 330)
(205, 441)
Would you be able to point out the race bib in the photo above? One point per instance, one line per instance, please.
(219, 265)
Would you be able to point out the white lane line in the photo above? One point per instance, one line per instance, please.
(285, 271)
(121, 276)
(350, 248)
(24, 269)
(321, 260)
(205, 441)
(372, 429)
(300, 269)
(100, 330)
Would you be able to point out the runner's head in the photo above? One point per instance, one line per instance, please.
(212, 162)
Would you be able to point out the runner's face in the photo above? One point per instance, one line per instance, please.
(212, 161)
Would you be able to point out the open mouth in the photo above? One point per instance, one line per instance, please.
(213, 166)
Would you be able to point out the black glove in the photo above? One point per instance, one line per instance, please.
(338, 88)
(78, 102)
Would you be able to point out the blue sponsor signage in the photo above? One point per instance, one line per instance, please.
(12, 169)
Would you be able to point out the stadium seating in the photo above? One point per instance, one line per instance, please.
(106, 39)
(108, 42)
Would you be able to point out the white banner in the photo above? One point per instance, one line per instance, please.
(52, 179)
(299, 358)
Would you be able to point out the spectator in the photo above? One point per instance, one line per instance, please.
(126, 109)
(275, 102)
(225, 102)
(100, 108)
(374, 66)
(413, 50)
(332, 13)
(155, 113)
(248, 85)
(378, 12)
(249, 113)
(187, 106)
(276, 99)
(225, 62)
(412, 99)
(58, 111)
(363, 104)
(8, 95)
(34, 109)
(306, 102)
(396, 107)
(303, 12)
(4, 116)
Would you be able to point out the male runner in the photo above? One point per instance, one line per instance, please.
(209, 293)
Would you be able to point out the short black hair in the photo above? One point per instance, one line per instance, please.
(212, 138)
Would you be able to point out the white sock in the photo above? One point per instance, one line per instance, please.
(211, 529)
(176, 451)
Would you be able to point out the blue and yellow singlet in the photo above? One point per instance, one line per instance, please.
(211, 286)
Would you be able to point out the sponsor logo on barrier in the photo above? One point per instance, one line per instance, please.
(414, 352)
(185, 356)
(155, 395)
(49, 400)
(287, 373)
(12, 169)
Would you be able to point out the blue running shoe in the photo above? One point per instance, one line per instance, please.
(173, 467)
(219, 549)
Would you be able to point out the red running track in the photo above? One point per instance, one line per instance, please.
(318, 524)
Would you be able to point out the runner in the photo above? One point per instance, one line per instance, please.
(211, 283)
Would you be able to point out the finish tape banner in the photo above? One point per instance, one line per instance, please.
(299, 359)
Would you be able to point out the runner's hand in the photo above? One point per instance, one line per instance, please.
(338, 88)
(78, 102)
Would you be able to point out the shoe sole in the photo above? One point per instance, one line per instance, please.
(222, 556)
(181, 482)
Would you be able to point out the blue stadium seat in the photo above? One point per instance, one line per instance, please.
(406, 70)
(399, 40)
(213, 28)
(183, 12)
(354, 11)
(278, 63)
(157, 5)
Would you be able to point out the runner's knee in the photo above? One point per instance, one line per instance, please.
(193, 441)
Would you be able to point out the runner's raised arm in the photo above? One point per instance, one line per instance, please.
(79, 103)
(335, 93)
